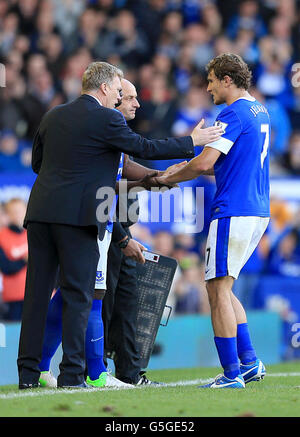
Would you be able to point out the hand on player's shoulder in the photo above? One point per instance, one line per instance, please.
(202, 136)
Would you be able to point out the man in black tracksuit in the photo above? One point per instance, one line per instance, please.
(119, 309)
(119, 312)
(120, 304)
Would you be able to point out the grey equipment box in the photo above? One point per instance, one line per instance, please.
(154, 280)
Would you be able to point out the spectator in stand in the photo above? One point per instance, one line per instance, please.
(149, 15)
(281, 217)
(126, 40)
(3, 223)
(54, 51)
(191, 11)
(44, 27)
(199, 37)
(162, 64)
(212, 19)
(3, 9)
(163, 243)
(223, 44)
(22, 45)
(66, 14)
(108, 6)
(155, 117)
(195, 105)
(15, 60)
(296, 35)
(9, 112)
(13, 258)
(142, 234)
(10, 159)
(246, 46)
(273, 70)
(90, 33)
(295, 110)
(189, 290)
(247, 18)
(8, 32)
(72, 73)
(281, 30)
(20, 111)
(287, 9)
(184, 243)
(284, 258)
(26, 10)
(273, 81)
(184, 67)
(293, 154)
(171, 34)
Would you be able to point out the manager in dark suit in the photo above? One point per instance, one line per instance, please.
(76, 151)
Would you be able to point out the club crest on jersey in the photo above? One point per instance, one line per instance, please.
(222, 125)
(99, 276)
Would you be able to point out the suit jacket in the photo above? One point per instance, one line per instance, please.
(76, 151)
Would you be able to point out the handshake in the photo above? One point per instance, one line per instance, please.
(151, 180)
(200, 137)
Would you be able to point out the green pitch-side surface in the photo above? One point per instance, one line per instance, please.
(278, 395)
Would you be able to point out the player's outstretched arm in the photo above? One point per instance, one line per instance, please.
(146, 183)
(133, 171)
(148, 178)
(201, 164)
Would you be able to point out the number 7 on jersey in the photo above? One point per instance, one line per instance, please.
(264, 128)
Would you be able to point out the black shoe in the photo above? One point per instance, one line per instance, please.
(145, 381)
(23, 386)
(83, 385)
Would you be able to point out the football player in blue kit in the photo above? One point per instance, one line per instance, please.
(240, 211)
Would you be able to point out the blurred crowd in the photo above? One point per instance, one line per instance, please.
(162, 46)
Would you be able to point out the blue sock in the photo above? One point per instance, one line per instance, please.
(94, 342)
(245, 349)
(53, 331)
(227, 350)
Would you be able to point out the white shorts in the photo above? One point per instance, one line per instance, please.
(103, 245)
(230, 243)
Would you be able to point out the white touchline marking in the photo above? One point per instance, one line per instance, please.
(185, 383)
(48, 392)
(283, 374)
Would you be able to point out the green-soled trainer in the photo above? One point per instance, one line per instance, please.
(100, 382)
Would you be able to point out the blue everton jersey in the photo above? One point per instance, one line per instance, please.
(242, 170)
(109, 226)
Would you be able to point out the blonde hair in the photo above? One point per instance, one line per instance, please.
(98, 73)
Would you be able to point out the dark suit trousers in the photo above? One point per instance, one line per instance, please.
(75, 250)
(119, 313)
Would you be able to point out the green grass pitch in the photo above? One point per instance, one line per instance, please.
(278, 395)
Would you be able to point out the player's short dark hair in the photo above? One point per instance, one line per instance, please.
(229, 64)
